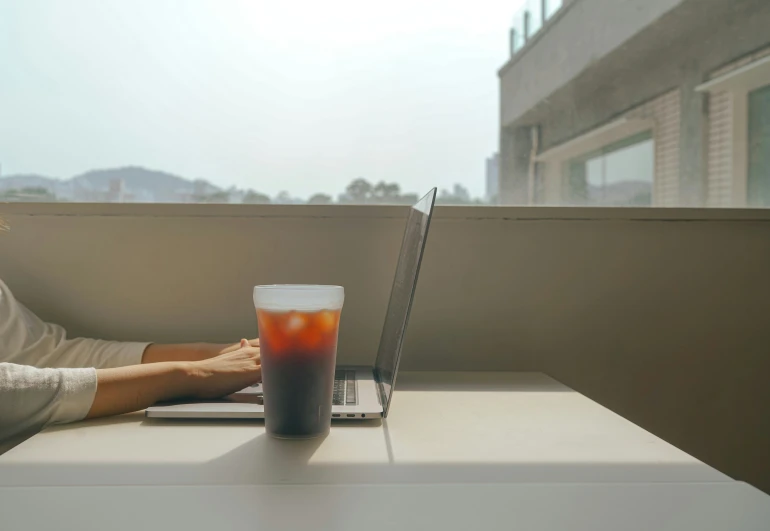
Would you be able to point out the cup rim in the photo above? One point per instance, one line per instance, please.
(298, 297)
(298, 287)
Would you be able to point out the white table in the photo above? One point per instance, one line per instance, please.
(444, 428)
(459, 451)
(720, 506)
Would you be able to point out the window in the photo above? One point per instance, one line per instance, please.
(620, 174)
(737, 146)
(495, 102)
(759, 147)
(576, 89)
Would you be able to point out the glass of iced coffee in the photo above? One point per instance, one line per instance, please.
(298, 329)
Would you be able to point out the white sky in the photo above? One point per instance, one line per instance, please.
(302, 96)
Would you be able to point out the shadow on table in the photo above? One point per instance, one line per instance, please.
(260, 459)
(265, 460)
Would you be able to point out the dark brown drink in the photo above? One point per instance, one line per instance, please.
(299, 353)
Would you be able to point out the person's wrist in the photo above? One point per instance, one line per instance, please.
(186, 377)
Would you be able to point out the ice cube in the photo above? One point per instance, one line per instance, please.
(296, 322)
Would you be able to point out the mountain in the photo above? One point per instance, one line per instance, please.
(135, 178)
(27, 181)
(131, 183)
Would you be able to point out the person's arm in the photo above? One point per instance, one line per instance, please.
(33, 398)
(25, 339)
(156, 353)
(52, 349)
(127, 389)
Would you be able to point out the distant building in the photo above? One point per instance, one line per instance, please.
(640, 102)
(493, 178)
(116, 191)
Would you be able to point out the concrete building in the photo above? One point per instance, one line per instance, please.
(492, 193)
(638, 102)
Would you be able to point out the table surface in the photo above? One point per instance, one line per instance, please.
(717, 506)
(443, 428)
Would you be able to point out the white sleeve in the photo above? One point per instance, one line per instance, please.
(46, 378)
(26, 340)
(31, 398)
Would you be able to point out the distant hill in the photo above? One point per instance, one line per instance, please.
(135, 177)
(141, 184)
(27, 181)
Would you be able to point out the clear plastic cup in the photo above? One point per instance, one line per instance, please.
(298, 329)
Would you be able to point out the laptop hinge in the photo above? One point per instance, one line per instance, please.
(380, 390)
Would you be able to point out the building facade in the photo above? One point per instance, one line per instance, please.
(639, 103)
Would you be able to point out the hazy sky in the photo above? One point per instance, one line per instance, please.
(274, 95)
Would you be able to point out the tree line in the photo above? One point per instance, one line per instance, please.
(362, 192)
(359, 191)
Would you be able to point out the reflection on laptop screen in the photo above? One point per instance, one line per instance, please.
(401, 296)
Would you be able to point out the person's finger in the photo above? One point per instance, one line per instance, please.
(251, 352)
(244, 343)
(254, 342)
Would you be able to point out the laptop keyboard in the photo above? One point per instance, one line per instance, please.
(344, 388)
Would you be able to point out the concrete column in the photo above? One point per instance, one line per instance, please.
(693, 140)
(515, 149)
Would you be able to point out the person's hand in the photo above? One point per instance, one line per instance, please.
(226, 349)
(237, 367)
(134, 387)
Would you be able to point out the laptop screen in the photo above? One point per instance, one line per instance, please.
(401, 295)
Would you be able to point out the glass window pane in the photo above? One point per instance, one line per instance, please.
(551, 7)
(535, 19)
(759, 148)
(620, 174)
(519, 28)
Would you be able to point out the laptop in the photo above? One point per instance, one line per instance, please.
(359, 392)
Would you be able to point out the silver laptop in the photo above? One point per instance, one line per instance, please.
(359, 392)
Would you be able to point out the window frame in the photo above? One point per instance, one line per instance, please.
(556, 158)
(608, 149)
(738, 84)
